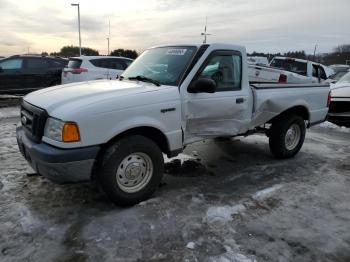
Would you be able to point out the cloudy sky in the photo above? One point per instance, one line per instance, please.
(261, 25)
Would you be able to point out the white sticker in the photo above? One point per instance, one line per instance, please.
(176, 51)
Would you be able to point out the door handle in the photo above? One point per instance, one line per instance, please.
(239, 100)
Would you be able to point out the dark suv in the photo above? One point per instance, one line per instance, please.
(22, 74)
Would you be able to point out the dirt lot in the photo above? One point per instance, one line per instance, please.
(230, 202)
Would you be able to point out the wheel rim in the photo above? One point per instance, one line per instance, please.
(292, 137)
(134, 172)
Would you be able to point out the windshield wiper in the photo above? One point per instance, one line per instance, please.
(121, 78)
(144, 79)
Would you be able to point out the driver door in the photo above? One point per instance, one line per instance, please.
(11, 77)
(225, 112)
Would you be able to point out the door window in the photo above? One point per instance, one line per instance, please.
(225, 70)
(318, 72)
(36, 63)
(12, 64)
(314, 71)
(127, 62)
(322, 73)
(117, 64)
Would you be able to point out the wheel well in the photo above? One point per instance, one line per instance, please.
(296, 110)
(152, 133)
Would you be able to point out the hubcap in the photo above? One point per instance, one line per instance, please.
(292, 137)
(134, 172)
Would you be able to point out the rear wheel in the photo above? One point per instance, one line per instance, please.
(286, 136)
(131, 170)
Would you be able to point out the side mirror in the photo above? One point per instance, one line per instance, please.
(202, 85)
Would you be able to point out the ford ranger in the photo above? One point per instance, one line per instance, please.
(116, 132)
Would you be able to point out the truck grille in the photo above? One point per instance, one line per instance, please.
(339, 107)
(33, 121)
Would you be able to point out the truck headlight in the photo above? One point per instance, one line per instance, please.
(58, 130)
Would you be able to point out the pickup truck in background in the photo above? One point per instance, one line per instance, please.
(289, 70)
(116, 132)
(257, 60)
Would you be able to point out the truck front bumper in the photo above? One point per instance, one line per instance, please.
(58, 165)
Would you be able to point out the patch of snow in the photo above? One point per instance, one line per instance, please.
(181, 156)
(8, 112)
(224, 213)
(330, 125)
(232, 255)
(262, 194)
(191, 245)
(26, 219)
(149, 201)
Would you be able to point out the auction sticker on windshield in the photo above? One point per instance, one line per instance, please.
(176, 51)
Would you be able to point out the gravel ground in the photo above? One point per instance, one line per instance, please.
(228, 201)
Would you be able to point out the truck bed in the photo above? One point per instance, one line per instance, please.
(271, 100)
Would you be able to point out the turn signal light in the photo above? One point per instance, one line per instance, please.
(70, 132)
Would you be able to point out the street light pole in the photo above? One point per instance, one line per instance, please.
(78, 26)
(315, 52)
(109, 35)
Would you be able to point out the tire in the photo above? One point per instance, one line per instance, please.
(131, 170)
(286, 136)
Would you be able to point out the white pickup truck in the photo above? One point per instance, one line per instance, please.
(288, 70)
(115, 132)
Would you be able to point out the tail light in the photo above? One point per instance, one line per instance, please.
(329, 99)
(78, 70)
(282, 79)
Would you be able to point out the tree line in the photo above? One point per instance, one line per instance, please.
(339, 55)
(71, 51)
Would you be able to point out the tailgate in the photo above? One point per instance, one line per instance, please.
(263, 74)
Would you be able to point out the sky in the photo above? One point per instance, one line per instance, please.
(260, 25)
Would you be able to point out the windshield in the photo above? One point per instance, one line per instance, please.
(290, 65)
(165, 65)
(345, 78)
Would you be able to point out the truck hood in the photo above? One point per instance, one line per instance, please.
(86, 93)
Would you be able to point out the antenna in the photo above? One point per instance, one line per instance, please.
(205, 34)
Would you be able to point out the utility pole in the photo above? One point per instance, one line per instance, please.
(109, 35)
(77, 5)
(315, 52)
(205, 34)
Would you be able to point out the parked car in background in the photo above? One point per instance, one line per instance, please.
(86, 68)
(339, 109)
(339, 67)
(258, 60)
(335, 77)
(22, 74)
(289, 70)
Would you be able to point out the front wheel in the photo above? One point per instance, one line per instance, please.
(286, 136)
(131, 170)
